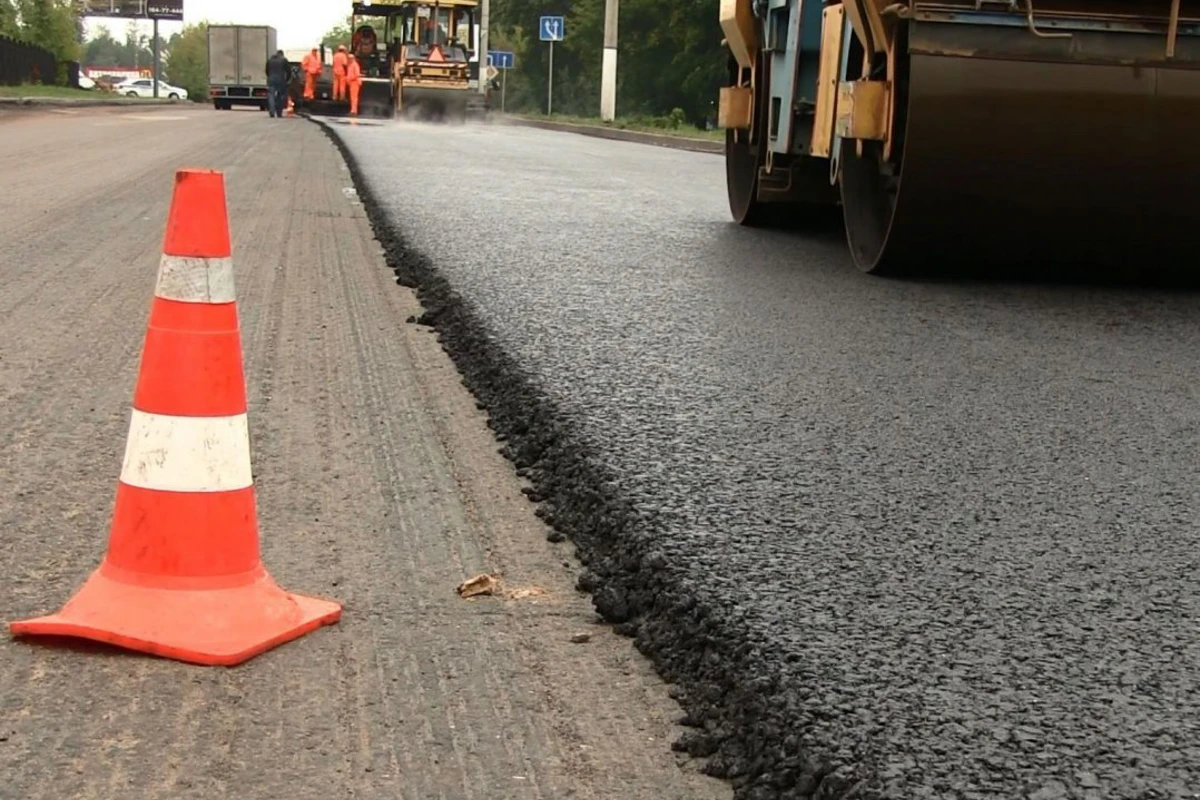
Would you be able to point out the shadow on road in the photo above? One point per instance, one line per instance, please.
(1130, 277)
(825, 226)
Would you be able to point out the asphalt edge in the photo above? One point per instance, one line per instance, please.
(620, 134)
(748, 733)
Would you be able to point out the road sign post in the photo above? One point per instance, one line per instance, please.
(157, 60)
(482, 46)
(502, 61)
(608, 69)
(551, 29)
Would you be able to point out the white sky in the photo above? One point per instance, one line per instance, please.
(300, 23)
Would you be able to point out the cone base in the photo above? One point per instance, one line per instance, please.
(212, 627)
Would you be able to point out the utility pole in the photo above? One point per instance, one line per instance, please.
(483, 46)
(156, 58)
(608, 73)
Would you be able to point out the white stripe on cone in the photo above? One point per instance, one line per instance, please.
(195, 280)
(187, 454)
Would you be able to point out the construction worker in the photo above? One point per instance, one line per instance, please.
(353, 83)
(340, 61)
(312, 67)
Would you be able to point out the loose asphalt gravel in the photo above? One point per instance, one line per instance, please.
(923, 539)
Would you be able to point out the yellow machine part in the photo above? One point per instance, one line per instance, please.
(741, 31)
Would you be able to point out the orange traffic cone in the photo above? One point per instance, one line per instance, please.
(182, 577)
(291, 107)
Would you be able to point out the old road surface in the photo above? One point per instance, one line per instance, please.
(378, 484)
(891, 539)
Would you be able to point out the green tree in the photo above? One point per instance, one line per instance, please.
(9, 23)
(669, 56)
(52, 24)
(338, 34)
(103, 50)
(187, 60)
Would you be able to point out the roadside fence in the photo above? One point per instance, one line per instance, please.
(21, 62)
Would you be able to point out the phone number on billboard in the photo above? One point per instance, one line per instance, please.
(133, 9)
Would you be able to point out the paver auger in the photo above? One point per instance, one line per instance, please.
(1013, 131)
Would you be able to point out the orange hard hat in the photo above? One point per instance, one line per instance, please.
(341, 48)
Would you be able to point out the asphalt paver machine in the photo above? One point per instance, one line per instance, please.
(419, 59)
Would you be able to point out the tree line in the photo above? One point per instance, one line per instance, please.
(670, 62)
(57, 26)
(53, 25)
(183, 55)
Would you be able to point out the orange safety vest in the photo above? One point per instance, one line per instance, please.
(311, 64)
(340, 60)
(354, 73)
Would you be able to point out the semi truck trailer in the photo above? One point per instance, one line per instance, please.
(237, 64)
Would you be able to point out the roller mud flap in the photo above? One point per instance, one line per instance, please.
(1031, 165)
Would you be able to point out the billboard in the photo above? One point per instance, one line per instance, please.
(135, 9)
(118, 72)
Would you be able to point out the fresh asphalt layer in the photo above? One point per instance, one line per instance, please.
(890, 539)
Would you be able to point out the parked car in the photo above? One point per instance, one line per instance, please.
(144, 87)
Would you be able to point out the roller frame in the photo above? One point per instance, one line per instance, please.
(867, 116)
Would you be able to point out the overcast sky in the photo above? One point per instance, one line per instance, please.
(300, 23)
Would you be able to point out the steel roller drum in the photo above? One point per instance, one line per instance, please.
(435, 102)
(1030, 163)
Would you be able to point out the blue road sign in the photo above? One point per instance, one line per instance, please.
(552, 29)
(501, 59)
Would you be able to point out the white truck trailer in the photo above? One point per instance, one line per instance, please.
(237, 64)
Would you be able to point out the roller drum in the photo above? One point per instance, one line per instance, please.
(375, 99)
(435, 103)
(1022, 162)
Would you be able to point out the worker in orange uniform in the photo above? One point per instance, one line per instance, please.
(353, 83)
(340, 61)
(312, 68)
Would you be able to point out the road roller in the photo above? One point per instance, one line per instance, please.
(418, 58)
(962, 132)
